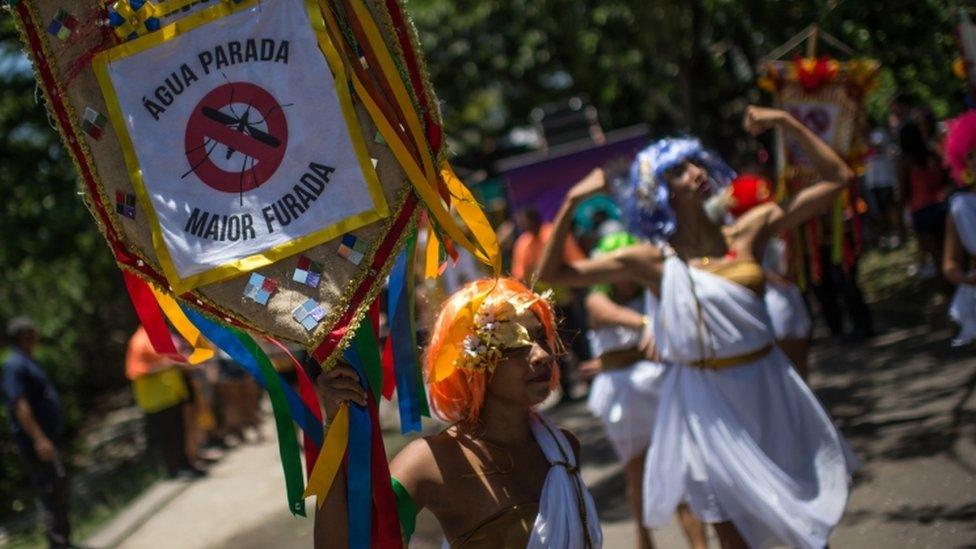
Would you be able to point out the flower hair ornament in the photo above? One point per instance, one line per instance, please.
(643, 196)
(492, 328)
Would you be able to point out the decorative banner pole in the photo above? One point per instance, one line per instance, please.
(827, 96)
(964, 67)
(260, 167)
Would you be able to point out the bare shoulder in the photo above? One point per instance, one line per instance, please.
(415, 467)
(574, 442)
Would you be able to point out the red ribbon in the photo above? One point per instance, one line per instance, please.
(151, 317)
(386, 520)
(389, 377)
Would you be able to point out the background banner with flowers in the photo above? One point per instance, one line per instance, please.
(828, 96)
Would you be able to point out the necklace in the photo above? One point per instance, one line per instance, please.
(484, 472)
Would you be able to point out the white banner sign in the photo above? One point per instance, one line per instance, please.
(237, 139)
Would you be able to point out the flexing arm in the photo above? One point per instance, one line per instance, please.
(816, 198)
(25, 416)
(954, 256)
(631, 264)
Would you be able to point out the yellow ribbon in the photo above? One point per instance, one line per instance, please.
(474, 217)
(424, 183)
(433, 254)
(330, 458)
(202, 350)
(392, 75)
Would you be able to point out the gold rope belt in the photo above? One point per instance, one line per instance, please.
(617, 360)
(732, 361)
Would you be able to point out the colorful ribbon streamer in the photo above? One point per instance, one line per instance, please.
(333, 451)
(402, 339)
(422, 176)
(406, 508)
(368, 352)
(297, 409)
(473, 216)
(358, 457)
(201, 349)
(306, 390)
(432, 262)
(386, 523)
(147, 309)
(246, 352)
(389, 377)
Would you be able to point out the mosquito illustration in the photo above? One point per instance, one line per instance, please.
(240, 125)
(245, 123)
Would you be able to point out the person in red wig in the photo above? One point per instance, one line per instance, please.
(960, 229)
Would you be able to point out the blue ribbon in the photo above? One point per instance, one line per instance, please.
(401, 332)
(226, 340)
(359, 489)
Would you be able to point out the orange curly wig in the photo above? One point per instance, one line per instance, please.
(459, 396)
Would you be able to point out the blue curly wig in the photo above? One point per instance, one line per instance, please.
(643, 195)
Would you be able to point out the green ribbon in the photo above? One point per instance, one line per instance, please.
(368, 349)
(287, 441)
(406, 509)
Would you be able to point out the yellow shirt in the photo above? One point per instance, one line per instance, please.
(156, 382)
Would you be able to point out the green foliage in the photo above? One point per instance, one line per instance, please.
(680, 66)
(54, 265)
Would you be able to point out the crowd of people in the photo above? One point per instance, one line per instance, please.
(193, 412)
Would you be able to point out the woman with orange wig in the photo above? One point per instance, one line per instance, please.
(501, 475)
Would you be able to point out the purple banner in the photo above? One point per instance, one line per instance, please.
(540, 180)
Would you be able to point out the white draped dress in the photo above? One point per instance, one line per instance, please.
(962, 309)
(787, 310)
(625, 399)
(748, 443)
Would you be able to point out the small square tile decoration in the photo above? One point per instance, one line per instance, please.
(307, 272)
(309, 314)
(259, 288)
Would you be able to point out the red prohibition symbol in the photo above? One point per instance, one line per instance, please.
(242, 119)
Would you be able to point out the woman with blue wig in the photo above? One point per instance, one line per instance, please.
(738, 435)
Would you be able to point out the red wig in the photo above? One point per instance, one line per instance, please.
(458, 397)
(749, 191)
(960, 141)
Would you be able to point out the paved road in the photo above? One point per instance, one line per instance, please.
(904, 399)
